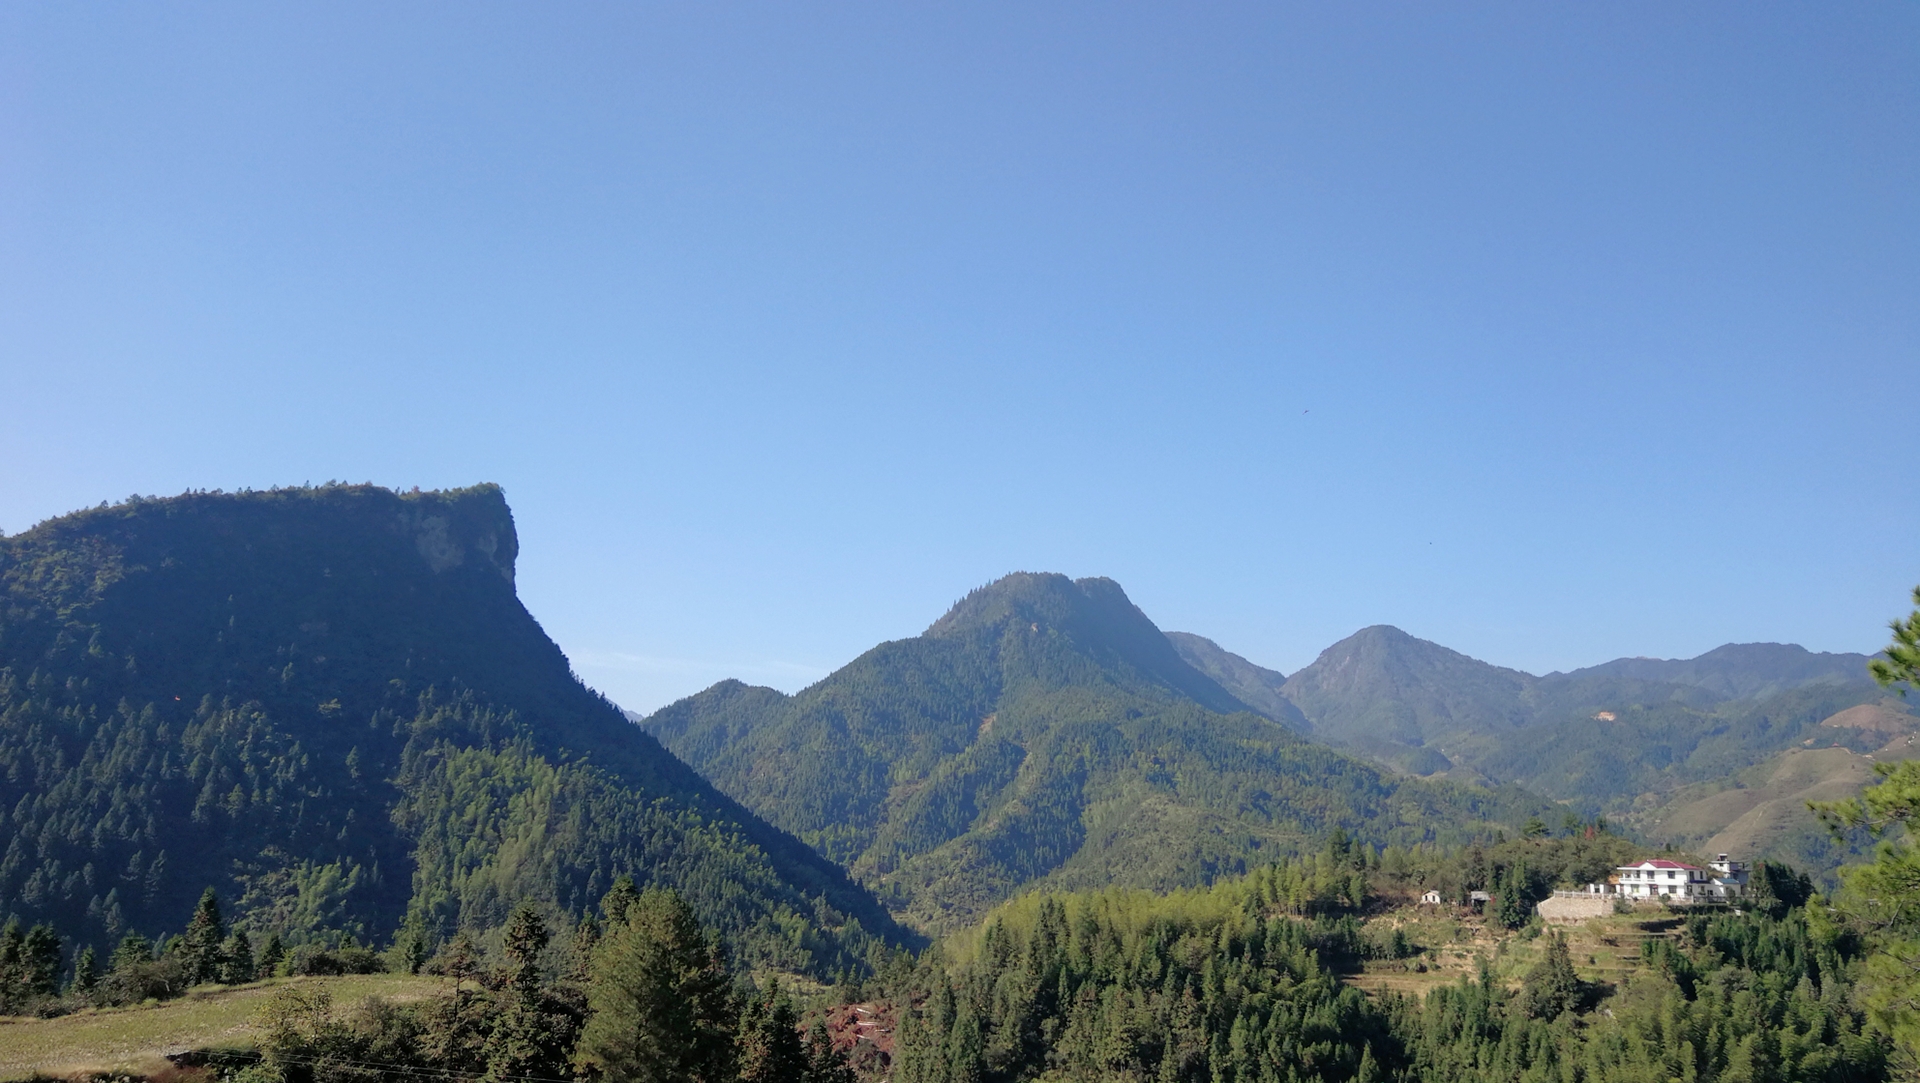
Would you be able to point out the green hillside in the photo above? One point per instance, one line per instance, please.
(1602, 738)
(1255, 686)
(1044, 730)
(329, 704)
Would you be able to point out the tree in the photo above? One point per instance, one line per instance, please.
(826, 1062)
(1902, 664)
(271, 956)
(661, 1001)
(237, 964)
(1882, 897)
(204, 936)
(40, 962)
(770, 1049)
(528, 1037)
(1510, 897)
(86, 972)
(526, 938)
(132, 950)
(613, 905)
(1551, 986)
(12, 948)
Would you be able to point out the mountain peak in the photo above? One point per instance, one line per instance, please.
(1036, 597)
(1094, 615)
(1381, 683)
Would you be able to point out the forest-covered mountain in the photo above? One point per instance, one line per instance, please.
(1043, 730)
(329, 704)
(1255, 686)
(1660, 744)
(1596, 736)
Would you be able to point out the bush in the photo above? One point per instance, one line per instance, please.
(338, 961)
(131, 982)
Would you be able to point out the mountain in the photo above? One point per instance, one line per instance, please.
(1255, 686)
(1042, 731)
(329, 704)
(1382, 685)
(1764, 808)
(1627, 738)
(1735, 671)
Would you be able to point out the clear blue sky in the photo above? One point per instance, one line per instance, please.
(1549, 331)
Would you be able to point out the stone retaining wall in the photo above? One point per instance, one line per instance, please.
(1572, 909)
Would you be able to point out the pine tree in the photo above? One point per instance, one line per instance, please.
(271, 957)
(1552, 986)
(526, 938)
(770, 1049)
(661, 999)
(12, 966)
(132, 950)
(204, 936)
(237, 965)
(86, 972)
(614, 905)
(527, 1039)
(826, 1062)
(40, 963)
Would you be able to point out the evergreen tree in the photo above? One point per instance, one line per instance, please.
(40, 963)
(237, 965)
(132, 950)
(12, 966)
(1510, 897)
(202, 943)
(770, 1049)
(826, 1063)
(614, 905)
(661, 1001)
(1552, 987)
(271, 956)
(526, 938)
(86, 972)
(528, 1037)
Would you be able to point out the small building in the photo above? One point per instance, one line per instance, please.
(1431, 898)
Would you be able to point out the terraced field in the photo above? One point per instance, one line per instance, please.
(1605, 950)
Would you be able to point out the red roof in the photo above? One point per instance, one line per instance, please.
(1663, 863)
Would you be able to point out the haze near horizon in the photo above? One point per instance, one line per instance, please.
(1547, 333)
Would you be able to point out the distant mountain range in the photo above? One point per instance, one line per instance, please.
(329, 705)
(1044, 730)
(1599, 736)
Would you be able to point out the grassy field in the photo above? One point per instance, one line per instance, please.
(136, 1038)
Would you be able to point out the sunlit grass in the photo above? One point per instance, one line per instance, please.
(136, 1038)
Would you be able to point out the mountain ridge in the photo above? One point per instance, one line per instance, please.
(1043, 730)
(333, 699)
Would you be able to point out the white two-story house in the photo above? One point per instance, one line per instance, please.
(1656, 878)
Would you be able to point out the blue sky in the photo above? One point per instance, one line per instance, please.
(1549, 331)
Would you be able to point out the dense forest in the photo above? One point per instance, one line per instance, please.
(1045, 731)
(329, 704)
(1228, 984)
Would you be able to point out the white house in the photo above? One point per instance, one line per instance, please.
(1658, 878)
(1431, 898)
